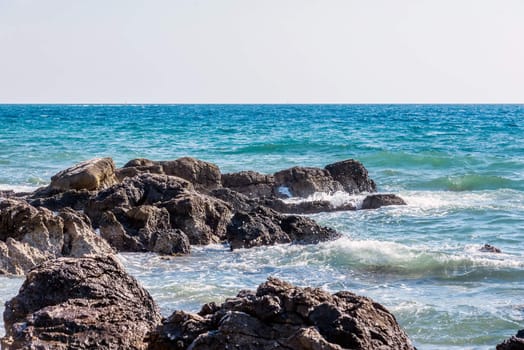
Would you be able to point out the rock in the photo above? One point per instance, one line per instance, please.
(303, 181)
(138, 162)
(375, 201)
(202, 218)
(282, 316)
(91, 175)
(250, 183)
(85, 303)
(170, 242)
(236, 200)
(122, 173)
(29, 236)
(514, 343)
(352, 175)
(264, 226)
(488, 248)
(203, 175)
(72, 199)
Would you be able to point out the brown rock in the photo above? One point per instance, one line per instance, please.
(86, 303)
(92, 175)
(375, 201)
(203, 175)
(352, 175)
(303, 181)
(250, 183)
(282, 316)
(514, 343)
(264, 226)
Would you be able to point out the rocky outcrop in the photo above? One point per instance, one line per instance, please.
(72, 199)
(86, 303)
(264, 226)
(375, 201)
(281, 316)
(352, 175)
(92, 175)
(29, 236)
(516, 342)
(203, 175)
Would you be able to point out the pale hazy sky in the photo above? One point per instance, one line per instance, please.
(247, 51)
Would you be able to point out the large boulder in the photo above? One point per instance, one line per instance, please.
(250, 183)
(375, 201)
(85, 303)
(29, 236)
(264, 226)
(352, 175)
(516, 342)
(280, 316)
(304, 181)
(92, 175)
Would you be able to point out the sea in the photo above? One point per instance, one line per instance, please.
(460, 168)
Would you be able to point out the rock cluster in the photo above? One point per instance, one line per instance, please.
(92, 303)
(282, 316)
(167, 206)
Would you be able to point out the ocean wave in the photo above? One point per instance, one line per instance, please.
(470, 182)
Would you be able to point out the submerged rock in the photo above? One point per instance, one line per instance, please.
(85, 303)
(375, 201)
(29, 236)
(488, 248)
(264, 226)
(516, 342)
(281, 316)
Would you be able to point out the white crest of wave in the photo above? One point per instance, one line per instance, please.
(18, 188)
(336, 199)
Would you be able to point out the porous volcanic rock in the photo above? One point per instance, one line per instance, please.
(304, 181)
(83, 303)
(76, 199)
(264, 226)
(29, 236)
(516, 342)
(375, 201)
(92, 175)
(352, 175)
(280, 316)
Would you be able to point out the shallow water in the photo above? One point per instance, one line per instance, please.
(459, 168)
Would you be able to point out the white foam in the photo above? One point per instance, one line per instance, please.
(17, 188)
(337, 199)
(284, 191)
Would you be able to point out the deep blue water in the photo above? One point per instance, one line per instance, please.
(459, 167)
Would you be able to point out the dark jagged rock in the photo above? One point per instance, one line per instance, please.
(85, 303)
(375, 201)
(516, 342)
(264, 226)
(280, 316)
(72, 199)
(236, 200)
(488, 248)
(92, 175)
(202, 218)
(352, 175)
(303, 181)
(251, 184)
(29, 236)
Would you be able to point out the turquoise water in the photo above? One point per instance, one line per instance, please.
(459, 167)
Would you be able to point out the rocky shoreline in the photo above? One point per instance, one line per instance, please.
(76, 295)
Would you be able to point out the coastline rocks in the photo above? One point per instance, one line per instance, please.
(304, 181)
(92, 175)
(375, 201)
(516, 342)
(29, 236)
(264, 226)
(352, 175)
(281, 316)
(85, 303)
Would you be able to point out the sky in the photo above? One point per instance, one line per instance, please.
(265, 51)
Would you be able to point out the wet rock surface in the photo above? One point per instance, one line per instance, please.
(84, 303)
(352, 175)
(516, 342)
(282, 316)
(303, 181)
(375, 201)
